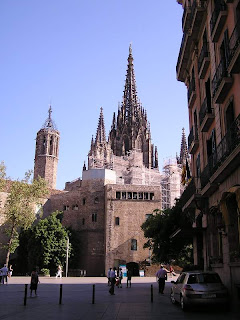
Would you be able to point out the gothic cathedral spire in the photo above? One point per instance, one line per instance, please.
(46, 153)
(184, 150)
(132, 129)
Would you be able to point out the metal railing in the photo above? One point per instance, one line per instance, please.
(229, 143)
(203, 54)
(191, 88)
(181, 51)
(188, 192)
(205, 108)
(234, 41)
(220, 6)
(219, 74)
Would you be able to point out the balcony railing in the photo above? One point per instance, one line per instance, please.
(186, 18)
(234, 48)
(221, 72)
(203, 60)
(188, 192)
(206, 115)
(191, 88)
(219, 8)
(197, 11)
(229, 143)
(193, 142)
(203, 54)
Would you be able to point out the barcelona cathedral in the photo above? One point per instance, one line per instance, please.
(119, 189)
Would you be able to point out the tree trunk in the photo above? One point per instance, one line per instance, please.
(9, 245)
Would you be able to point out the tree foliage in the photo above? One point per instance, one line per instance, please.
(45, 244)
(160, 226)
(19, 209)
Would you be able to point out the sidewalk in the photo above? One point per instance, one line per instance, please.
(127, 303)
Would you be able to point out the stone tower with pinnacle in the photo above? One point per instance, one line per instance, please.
(46, 153)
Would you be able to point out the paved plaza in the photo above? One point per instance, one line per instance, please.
(77, 297)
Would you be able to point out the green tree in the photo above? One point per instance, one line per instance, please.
(160, 226)
(47, 243)
(2, 175)
(19, 209)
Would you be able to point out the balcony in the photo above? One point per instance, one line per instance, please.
(191, 93)
(218, 19)
(206, 115)
(234, 50)
(203, 61)
(197, 13)
(183, 57)
(186, 19)
(207, 187)
(188, 194)
(221, 83)
(223, 161)
(193, 142)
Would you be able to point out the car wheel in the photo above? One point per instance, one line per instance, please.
(172, 297)
(182, 303)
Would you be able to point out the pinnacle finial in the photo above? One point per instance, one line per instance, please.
(49, 111)
(49, 124)
(130, 48)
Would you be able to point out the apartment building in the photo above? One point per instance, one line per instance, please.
(209, 65)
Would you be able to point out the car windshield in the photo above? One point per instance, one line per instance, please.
(204, 278)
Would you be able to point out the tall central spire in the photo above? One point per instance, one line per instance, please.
(130, 100)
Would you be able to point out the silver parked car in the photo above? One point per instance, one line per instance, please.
(195, 288)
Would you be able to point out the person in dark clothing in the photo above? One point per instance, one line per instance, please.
(34, 282)
(129, 278)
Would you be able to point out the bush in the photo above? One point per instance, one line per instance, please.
(45, 272)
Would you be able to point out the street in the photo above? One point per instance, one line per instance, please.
(77, 301)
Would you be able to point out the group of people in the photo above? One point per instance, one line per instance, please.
(115, 276)
(5, 273)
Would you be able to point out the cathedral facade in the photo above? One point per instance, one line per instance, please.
(118, 191)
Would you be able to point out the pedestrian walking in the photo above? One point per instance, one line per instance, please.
(34, 282)
(129, 278)
(108, 276)
(112, 280)
(59, 272)
(161, 276)
(120, 277)
(10, 271)
(4, 271)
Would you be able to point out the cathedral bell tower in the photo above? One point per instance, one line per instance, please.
(46, 153)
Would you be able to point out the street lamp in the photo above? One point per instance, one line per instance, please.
(67, 257)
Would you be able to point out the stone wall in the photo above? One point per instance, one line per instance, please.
(124, 218)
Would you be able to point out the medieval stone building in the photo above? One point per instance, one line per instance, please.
(46, 152)
(119, 190)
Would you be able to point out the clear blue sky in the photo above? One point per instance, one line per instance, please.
(73, 53)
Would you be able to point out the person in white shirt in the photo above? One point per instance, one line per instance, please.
(161, 275)
(112, 280)
(108, 276)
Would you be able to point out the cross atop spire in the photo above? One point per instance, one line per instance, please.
(49, 123)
